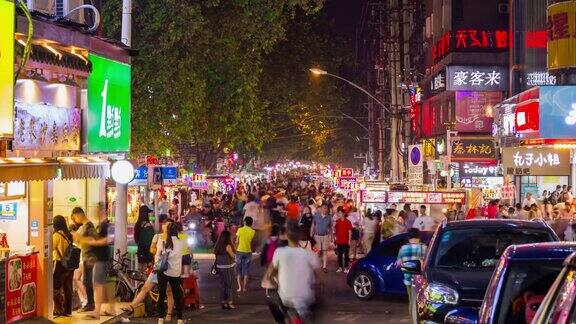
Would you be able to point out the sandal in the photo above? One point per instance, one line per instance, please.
(106, 313)
(231, 306)
(168, 317)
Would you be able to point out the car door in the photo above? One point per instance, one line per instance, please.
(386, 257)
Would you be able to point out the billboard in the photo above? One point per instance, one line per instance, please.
(7, 17)
(474, 110)
(535, 161)
(557, 112)
(473, 149)
(108, 120)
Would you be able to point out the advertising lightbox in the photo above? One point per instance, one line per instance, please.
(557, 112)
(7, 69)
(108, 120)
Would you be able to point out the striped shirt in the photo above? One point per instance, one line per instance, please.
(411, 252)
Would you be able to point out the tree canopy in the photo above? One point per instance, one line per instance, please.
(203, 81)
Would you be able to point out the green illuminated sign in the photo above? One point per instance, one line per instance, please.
(6, 69)
(108, 120)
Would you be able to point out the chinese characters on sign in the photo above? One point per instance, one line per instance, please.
(536, 161)
(415, 165)
(476, 169)
(438, 83)
(21, 288)
(348, 183)
(539, 79)
(373, 196)
(425, 197)
(474, 110)
(473, 149)
(108, 116)
(470, 40)
(44, 127)
(483, 78)
(561, 35)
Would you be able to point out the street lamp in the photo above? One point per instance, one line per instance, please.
(317, 71)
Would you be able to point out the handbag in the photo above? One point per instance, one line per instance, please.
(162, 264)
(214, 269)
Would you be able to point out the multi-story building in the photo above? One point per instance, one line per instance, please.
(64, 115)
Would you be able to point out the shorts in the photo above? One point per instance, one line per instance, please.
(323, 241)
(99, 272)
(186, 260)
(152, 277)
(243, 263)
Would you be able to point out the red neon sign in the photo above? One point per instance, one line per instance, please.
(527, 116)
(535, 39)
(470, 39)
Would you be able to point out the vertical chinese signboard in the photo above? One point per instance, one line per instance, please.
(562, 35)
(21, 288)
(415, 165)
(108, 117)
(6, 69)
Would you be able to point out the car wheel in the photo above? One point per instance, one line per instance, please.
(364, 285)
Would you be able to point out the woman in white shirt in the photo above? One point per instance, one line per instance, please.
(369, 224)
(173, 247)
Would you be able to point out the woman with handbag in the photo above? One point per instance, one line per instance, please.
(169, 269)
(225, 256)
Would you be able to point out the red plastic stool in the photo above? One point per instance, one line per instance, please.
(191, 292)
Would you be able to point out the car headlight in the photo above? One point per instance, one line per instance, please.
(438, 293)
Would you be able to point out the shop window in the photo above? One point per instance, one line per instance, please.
(529, 184)
(12, 190)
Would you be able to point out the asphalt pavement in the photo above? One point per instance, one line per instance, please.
(339, 303)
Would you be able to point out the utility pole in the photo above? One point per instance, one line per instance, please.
(121, 213)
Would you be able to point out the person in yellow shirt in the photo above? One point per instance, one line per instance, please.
(186, 255)
(61, 239)
(244, 238)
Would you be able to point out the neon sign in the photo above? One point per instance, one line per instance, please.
(470, 39)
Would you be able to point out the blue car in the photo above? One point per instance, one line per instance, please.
(518, 285)
(377, 272)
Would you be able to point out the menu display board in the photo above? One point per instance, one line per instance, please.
(431, 197)
(21, 288)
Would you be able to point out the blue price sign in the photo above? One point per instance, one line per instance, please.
(8, 211)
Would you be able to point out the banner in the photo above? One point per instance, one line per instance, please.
(431, 197)
(21, 288)
(7, 17)
(562, 35)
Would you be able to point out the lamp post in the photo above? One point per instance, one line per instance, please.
(320, 72)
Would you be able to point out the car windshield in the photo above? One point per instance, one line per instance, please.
(524, 288)
(477, 248)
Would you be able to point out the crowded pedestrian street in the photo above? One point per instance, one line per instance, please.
(288, 161)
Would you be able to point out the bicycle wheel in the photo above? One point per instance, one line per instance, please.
(123, 292)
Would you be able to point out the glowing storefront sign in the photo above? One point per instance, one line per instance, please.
(535, 161)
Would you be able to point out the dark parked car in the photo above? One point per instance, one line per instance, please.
(461, 258)
(377, 273)
(559, 304)
(518, 285)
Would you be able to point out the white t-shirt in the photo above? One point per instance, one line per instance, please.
(251, 209)
(424, 223)
(174, 256)
(295, 275)
(369, 225)
(354, 217)
(529, 202)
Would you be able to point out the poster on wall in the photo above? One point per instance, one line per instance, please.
(8, 210)
(44, 127)
(557, 112)
(474, 110)
(21, 288)
(7, 69)
(108, 116)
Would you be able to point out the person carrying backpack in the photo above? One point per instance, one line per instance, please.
(66, 258)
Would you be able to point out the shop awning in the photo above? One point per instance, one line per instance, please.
(85, 170)
(27, 172)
